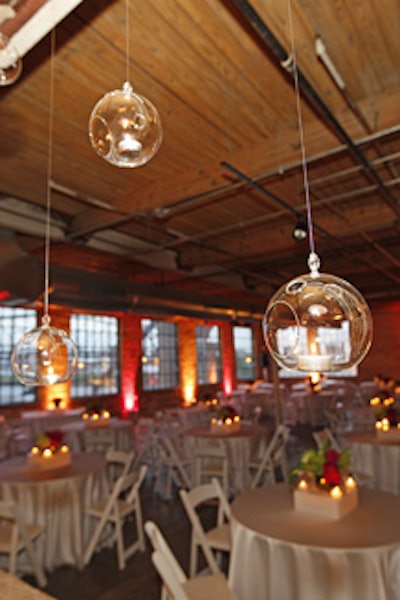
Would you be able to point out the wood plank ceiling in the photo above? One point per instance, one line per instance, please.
(188, 227)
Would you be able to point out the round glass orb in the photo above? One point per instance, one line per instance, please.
(317, 323)
(10, 62)
(125, 128)
(44, 356)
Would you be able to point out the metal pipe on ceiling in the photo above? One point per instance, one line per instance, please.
(326, 233)
(268, 39)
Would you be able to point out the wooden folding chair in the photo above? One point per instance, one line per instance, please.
(218, 538)
(16, 536)
(176, 586)
(123, 501)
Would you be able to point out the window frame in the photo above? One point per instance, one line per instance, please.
(88, 386)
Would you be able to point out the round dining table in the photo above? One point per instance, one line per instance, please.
(56, 498)
(240, 445)
(377, 457)
(281, 553)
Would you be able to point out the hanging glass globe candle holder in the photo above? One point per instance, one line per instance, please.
(125, 128)
(44, 356)
(317, 323)
(10, 62)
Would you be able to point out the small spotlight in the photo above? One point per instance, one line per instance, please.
(300, 231)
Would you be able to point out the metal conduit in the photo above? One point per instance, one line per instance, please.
(265, 35)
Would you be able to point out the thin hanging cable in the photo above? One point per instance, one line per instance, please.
(127, 40)
(301, 132)
(49, 177)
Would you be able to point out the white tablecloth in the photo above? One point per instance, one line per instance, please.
(376, 457)
(56, 499)
(239, 446)
(282, 554)
(45, 420)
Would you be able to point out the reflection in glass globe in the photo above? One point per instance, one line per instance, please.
(125, 128)
(317, 323)
(44, 356)
(10, 62)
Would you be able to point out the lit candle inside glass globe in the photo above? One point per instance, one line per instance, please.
(317, 322)
(125, 128)
(10, 62)
(44, 356)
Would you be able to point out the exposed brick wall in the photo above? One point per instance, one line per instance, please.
(384, 355)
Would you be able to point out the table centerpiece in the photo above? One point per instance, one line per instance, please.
(49, 452)
(386, 407)
(225, 421)
(323, 484)
(96, 416)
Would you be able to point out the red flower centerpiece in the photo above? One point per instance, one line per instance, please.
(387, 414)
(226, 420)
(323, 483)
(49, 452)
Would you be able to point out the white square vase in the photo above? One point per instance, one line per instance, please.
(321, 504)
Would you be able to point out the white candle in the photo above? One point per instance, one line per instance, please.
(336, 492)
(350, 483)
(314, 362)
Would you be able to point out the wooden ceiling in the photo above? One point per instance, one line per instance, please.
(207, 223)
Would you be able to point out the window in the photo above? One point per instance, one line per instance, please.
(98, 363)
(160, 369)
(14, 322)
(244, 352)
(209, 369)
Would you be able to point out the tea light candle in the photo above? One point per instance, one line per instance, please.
(385, 424)
(378, 425)
(105, 414)
(336, 492)
(214, 421)
(302, 485)
(314, 362)
(350, 483)
(236, 419)
(35, 450)
(228, 421)
(47, 453)
(64, 448)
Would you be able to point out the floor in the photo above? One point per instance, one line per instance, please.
(101, 579)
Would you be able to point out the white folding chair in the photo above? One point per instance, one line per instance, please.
(119, 463)
(176, 585)
(273, 457)
(218, 538)
(171, 467)
(98, 440)
(323, 434)
(211, 461)
(16, 536)
(122, 502)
